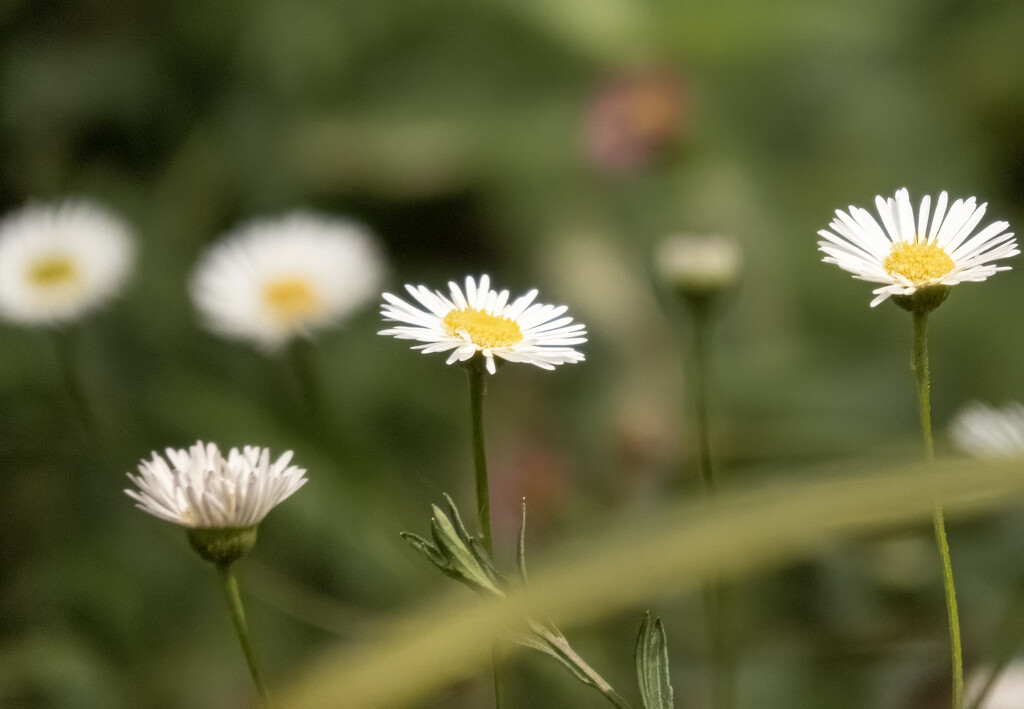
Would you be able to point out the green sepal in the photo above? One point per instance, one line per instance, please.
(652, 665)
(923, 300)
(224, 545)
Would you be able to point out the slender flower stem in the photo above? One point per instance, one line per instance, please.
(230, 586)
(922, 373)
(477, 389)
(716, 594)
(923, 376)
(701, 376)
(951, 610)
(66, 342)
(300, 358)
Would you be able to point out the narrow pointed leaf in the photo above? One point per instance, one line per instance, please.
(553, 645)
(430, 551)
(484, 561)
(652, 665)
(461, 558)
(521, 548)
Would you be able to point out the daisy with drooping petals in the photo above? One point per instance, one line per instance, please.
(220, 501)
(935, 249)
(199, 488)
(481, 320)
(59, 261)
(272, 280)
(989, 432)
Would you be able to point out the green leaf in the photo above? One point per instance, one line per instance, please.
(483, 560)
(552, 643)
(457, 549)
(430, 551)
(652, 665)
(521, 548)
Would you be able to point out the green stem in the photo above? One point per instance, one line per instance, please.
(923, 376)
(716, 599)
(951, 611)
(498, 663)
(701, 376)
(715, 594)
(230, 586)
(68, 358)
(922, 373)
(477, 389)
(300, 356)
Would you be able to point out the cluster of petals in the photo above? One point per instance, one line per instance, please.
(547, 336)
(200, 488)
(858, 244)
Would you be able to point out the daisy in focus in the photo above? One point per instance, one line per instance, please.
(60, 261)
(272, 280)
(199, 488)
(987, 432)
(907, 254)
(481, 320)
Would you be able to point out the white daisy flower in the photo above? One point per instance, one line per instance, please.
(275, 279)
(59, 261)
(935, 250)
(988, 432)
(482, 320)
(199, 488)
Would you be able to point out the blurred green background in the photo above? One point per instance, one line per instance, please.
(550, 143)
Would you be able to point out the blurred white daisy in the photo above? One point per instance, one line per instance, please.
(1006, 693)
(199, 488)
(988, 432)
(698, 264)
(59, 261)
(275, 279)
(935, 250)
(481, 320)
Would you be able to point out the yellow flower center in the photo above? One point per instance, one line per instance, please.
(52, 271)
(291, 299)
(917, 262)
(484, 329)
